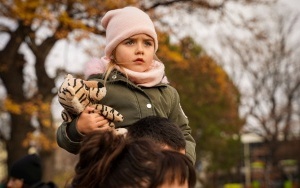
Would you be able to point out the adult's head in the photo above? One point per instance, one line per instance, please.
(26, 171)
(110, 160)
(161, 130)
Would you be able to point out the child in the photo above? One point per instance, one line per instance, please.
(135, 80)
(109, 160)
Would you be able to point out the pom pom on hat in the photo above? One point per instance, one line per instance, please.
(124, 23)
(27, 168)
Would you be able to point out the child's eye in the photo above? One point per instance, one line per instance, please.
(129, 42)
(148, 43)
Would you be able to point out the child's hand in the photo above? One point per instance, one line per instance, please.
(89, 121)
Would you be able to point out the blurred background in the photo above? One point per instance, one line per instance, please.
(235, 64)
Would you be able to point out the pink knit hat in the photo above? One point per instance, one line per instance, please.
(124, 23)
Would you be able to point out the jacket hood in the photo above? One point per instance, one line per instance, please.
(95, 66)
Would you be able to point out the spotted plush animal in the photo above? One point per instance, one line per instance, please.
(75, 94)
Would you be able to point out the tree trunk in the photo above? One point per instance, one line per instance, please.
(48, 154)
(20, 126)
(45, 93)
(48, 161)
(11, 73)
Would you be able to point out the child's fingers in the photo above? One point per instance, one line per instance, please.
(100, 121)
(104, 127)
(89, 109)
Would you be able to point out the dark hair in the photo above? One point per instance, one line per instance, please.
(110, 160)
(175, 167)
(96, 154)
(159, 129)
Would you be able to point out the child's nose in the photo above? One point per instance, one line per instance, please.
(139, 48)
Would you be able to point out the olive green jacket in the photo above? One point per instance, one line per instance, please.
(133, 102)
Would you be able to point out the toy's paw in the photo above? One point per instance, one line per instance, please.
(109, 112)
(66, 116)
(121, 131)
(111, 124)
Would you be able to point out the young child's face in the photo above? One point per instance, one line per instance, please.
(135, 53)
(174, 184)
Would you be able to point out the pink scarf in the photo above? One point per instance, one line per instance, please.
(153, 76)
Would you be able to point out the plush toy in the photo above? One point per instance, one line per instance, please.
(75, 94)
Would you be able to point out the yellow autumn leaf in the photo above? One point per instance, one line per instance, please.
(12, 107)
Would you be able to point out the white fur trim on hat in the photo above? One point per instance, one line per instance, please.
(124, 23)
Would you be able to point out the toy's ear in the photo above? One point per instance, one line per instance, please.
(100, 85)
(91, 84)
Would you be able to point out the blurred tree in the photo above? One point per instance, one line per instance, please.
(266, 59)
(29, 102)
(209, 99)
(38, 25)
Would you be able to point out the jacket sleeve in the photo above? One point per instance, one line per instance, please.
(177, 115)
(68, 137)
